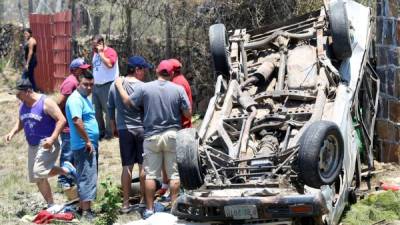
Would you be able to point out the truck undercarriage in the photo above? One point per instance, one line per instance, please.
(294, 106)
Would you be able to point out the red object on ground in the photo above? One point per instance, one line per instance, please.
(45, 217)
(389, 186)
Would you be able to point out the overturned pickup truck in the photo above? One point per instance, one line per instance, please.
(291, 122)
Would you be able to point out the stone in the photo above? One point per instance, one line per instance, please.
(389, 31)
(384, 130)
(394, 111)
(383, 108)
(382, 55)
(382, 79)
(398, 33)
(390, 77)
(392, 55)
(397, 83)
(390, 152)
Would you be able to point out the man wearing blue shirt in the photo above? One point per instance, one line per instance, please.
(84, 133)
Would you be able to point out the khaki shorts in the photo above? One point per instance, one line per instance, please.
(157, 149)
(41, 161)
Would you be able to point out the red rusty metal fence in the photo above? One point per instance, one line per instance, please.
(53, 34)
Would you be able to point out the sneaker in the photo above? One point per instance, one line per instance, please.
(147, 213)
(70, 168)
(88, 215)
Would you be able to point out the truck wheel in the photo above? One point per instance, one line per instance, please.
(321, 154)
(340, 29)
(188, 159)
(219, 49)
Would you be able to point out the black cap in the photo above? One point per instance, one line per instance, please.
(21, 85)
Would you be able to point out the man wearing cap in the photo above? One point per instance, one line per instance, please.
(77, 68)
(84, 132)
(42, 122)
(129, 127)
(179, 79)
(163, 104)
(105, 70)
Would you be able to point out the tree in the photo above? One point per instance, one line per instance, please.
(97, 14)
(168, 30)
(21, 14)
(110, 17)
(30, 6)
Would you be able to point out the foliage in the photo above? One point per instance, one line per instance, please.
(308, 6)
(109, 204)
(377, 207)
(2, 64)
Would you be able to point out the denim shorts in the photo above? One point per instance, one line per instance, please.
(86, 168)
(131, 146)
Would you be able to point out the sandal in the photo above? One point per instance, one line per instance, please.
(126, 210)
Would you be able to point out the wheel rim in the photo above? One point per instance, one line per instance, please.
(329, 156)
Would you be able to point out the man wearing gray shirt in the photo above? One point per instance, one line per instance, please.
(129, 127)
(163, 103)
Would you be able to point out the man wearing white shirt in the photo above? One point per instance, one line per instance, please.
(105, 70)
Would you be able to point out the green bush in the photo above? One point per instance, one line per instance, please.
(377, 207)
(109, 204)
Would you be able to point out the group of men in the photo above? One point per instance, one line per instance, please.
(144, 115)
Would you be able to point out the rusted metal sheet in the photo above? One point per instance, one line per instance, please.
(53, 34)
(61, 45)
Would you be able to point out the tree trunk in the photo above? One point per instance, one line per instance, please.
(96, 19)
(74, 16)
(2, 14)
(21, 13)
(43, 7)
(96, 24)
(30, 3)
(110, 18)
(188, 55)
(168, 31)
(59, 5)
(74, 49)
(128, 14)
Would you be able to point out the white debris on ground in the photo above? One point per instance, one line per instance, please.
(162, 218)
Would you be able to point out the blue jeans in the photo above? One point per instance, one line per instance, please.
(86, 168)
(66, 155)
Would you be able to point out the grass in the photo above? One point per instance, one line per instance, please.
(376, 207)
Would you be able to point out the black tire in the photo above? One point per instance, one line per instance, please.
(188, 159)
(340, 29)
(219, 45)
(321, 154)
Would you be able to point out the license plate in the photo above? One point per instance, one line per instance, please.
(241, 212)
